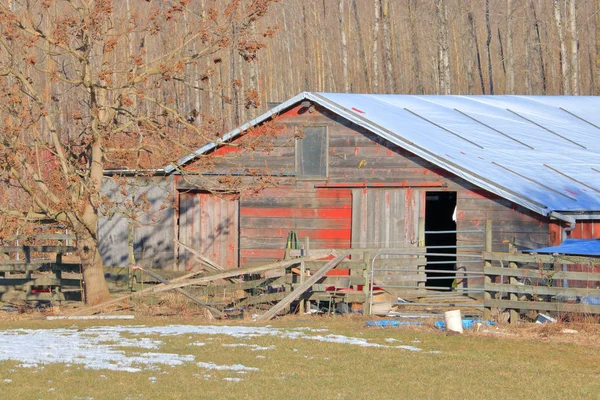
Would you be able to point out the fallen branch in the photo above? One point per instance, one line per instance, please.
(302, 288)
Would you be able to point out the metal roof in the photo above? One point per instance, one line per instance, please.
(542, 152)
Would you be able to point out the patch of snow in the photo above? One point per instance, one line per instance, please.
(234, 367)
(103, 347)
(409, 348)
(7, 380)
(261, 348)
(233, 379)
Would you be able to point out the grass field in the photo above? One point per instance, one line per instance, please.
(312, 358)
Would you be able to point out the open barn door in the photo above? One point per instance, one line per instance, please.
(208, 223)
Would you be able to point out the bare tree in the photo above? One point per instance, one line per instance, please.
(538, 48)
(572, 30)
(510, 57)
(443, 48)
(487, 45)
(414, 45)
(564, 76)
(377, 9)
(390, 81)
(344, 46)
(361, 45)
(95, 90)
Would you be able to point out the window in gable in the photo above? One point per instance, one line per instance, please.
(311, 153)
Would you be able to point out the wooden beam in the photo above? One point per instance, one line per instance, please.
(541, 290)
(38, 249)
(302, 288)
(200, 257)
(544, 306)
(536, 273)
(543, 258)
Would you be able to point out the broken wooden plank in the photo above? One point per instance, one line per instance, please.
(134, 294)
(209, 277)
(213, 276)
(302, 288)
(260, 299)
(203, 259)
(213, 310)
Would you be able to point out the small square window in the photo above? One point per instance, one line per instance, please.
(311, 153)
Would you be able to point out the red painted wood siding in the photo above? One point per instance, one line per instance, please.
(322, 215)
(208, 224)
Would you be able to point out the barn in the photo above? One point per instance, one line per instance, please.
(373, 171)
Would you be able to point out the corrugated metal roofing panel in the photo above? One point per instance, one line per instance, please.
(526, 149)
(541, 152)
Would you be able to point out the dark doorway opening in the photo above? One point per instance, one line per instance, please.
(440, 237)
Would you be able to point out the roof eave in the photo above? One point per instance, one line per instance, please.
(236, 132)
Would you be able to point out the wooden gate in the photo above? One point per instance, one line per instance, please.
(209, 224)
(389, 218)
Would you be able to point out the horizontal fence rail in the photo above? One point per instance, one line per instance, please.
(533, 282)
(35, 272)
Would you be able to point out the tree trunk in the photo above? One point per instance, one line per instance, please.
(528, 67)
(361, 45)
(414, 43)
(96, 289)
(538, 48)
(487, 45)
(443, 57)
(564, 76)
(375, 84)
(344, 46)
(477, 54)
(509, 87)
(307, 55)
(597, 45)
(572, 28)
(390, 81)
(469, 59)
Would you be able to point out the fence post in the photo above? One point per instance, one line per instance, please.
(514, 314)
(367, 284)
(487, 280)
(421, 268)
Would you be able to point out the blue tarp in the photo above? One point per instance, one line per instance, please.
(575, 247)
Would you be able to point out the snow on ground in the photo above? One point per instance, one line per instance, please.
(130, 349)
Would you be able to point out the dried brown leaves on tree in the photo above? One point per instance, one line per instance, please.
(90, 85)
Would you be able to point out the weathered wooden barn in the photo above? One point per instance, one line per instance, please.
(360, 171)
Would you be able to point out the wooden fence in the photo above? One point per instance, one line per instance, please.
(35, 272)
(524, 283)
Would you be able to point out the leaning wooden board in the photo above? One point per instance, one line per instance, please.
(302, 288)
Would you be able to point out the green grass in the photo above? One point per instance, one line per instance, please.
(469, 366)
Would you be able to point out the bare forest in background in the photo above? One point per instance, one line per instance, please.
(529, 47)
(533, 47)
